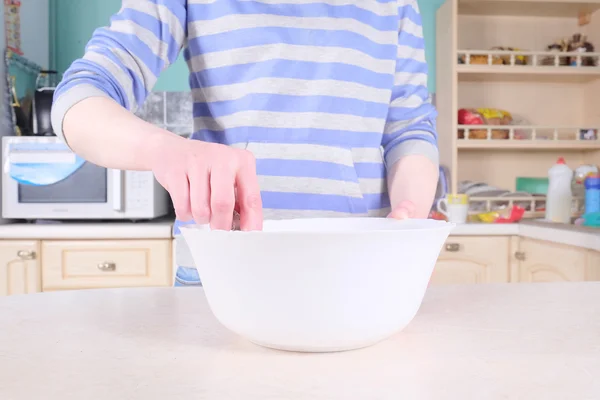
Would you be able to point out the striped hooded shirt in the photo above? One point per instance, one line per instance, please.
(324, 93)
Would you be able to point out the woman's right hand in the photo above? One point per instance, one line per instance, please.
(207, 181)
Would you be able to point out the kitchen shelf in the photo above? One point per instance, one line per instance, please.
(524, 137)
(539, 65)
(534, 206)
(493, 54)
(528, 8)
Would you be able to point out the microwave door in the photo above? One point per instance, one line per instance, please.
(58, 184)
(86, 184)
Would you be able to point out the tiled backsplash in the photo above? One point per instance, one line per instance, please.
(169, 110)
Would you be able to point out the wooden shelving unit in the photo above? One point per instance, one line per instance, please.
(528, 8)
(552, 96)
(522, 137)
(541, 65)
(535, 206)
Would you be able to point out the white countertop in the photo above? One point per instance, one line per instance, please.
(509, 341)
(587, 238)
(162, 229)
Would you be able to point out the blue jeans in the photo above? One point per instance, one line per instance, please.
(187, 277)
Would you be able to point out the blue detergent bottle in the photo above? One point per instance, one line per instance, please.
(592, 194)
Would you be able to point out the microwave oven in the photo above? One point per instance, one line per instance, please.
(43, 179)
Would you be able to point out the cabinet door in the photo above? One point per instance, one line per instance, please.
(473, 259)
(19, 267)
(592, 271)
(541, 261)
(88, 264)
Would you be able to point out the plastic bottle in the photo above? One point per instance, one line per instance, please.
(592, 194)
(579, 175)
(559, 199)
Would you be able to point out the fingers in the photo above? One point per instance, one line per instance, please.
(222, 197)
(219, 184)
(404, 210)
(180, 195)
(200, 195)
(399, 214)
(248, 194)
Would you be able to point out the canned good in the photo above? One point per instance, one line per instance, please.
(588, 134)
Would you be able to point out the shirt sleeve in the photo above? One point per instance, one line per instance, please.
(410, 126)
(123, 61)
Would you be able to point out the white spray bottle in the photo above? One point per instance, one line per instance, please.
(559, 199)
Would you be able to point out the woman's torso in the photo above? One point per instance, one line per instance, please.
(306, 88)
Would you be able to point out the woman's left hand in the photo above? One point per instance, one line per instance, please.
(404, 210)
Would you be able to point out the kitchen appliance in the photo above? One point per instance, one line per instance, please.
(43, 179)
(318, 285)
(41, 106)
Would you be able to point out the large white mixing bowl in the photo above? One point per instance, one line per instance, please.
(318, 285)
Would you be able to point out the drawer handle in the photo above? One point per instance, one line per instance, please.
(107, 266)
(520, 256)
(26, 254)
(453, 247)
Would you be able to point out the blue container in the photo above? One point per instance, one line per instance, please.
(591, 220)
(592, 194)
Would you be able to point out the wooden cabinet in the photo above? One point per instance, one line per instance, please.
(19, 267)
(90, 264)
(30, 266)
(540, 261)
(550, 96)
(498, 259)
(473, 259)
(593, 266)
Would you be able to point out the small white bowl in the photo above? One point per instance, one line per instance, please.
(318, 285)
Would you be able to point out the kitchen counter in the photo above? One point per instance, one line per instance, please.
(526, 341)
(572, 235)
(159, 229)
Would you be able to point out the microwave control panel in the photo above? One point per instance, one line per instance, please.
(139, 189)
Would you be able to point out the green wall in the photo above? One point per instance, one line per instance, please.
(73, 22)
(428, 13)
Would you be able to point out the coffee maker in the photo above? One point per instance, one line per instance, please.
(41, 104)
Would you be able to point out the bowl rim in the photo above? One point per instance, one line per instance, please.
(437, 225)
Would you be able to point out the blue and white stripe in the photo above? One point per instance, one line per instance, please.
(325, 93)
